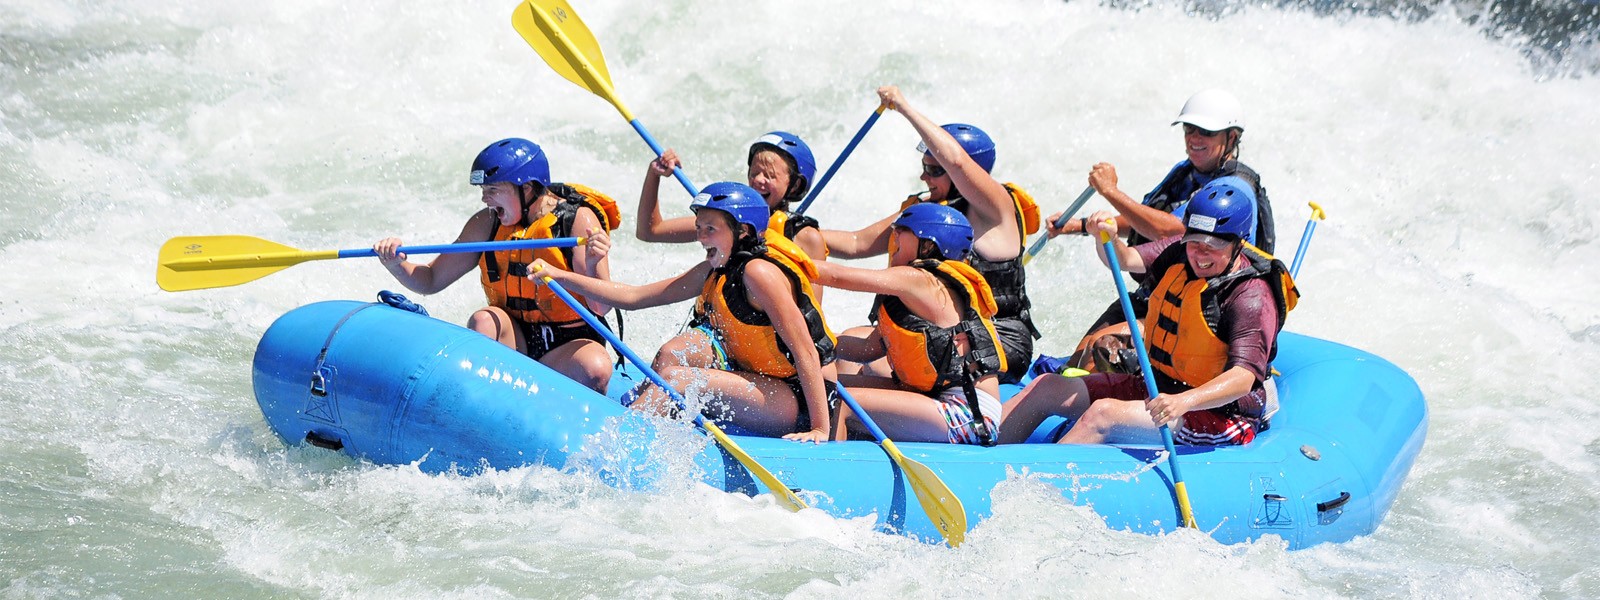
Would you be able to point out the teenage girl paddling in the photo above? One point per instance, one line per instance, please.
(933, 323)
(522, 203)
(956, 163)
(781, 169)
(757, 343)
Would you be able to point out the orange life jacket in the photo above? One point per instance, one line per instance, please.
(789, 225)
(747, 335)
(924, 356)
(1181, 324)
(1007, 279)
(504, 274)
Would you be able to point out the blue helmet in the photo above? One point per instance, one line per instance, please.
(974, 141)
(512, 160)
(946, 227)
(737, 199)
(793, 148)
(1224, 208)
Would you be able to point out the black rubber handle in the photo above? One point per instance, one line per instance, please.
(1334, 503)
(323, 441)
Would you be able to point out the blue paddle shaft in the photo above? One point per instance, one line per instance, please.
(848, 148)
(676, 171)
(566, 242)
(1066, 215)
(1300, 253)
(594, 322)
(1144, 355)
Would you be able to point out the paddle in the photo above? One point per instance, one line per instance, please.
(848, 148)
(941, 504)
(1066, 215)
(785, 496)
(1305, 240)
(213, 261)
(1149, 380)
(554, 30)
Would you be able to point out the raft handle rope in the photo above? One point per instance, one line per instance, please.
(319, 374)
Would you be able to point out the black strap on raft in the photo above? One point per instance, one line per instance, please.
(969, 386)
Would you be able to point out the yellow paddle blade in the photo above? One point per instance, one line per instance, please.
(213, 261)
(785, 496)
(554, 30)
(1184, 509)
(941, 504)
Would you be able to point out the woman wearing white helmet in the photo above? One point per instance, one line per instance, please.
(1213, 125)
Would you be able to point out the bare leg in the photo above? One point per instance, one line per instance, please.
(761, 404)
(1048, 395)
(583, 361)
(902, 415)
(495, 323)
(692, 348)
(1110, 420)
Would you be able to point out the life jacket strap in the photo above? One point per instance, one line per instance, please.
(969, 386)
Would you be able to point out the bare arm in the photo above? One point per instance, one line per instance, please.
(592, 258)
(992, 208)
(861, 350)
(1128, 258)
(1222, 389)
(650, 227)
(893, 281)
(1149, 222)
(771, 293)
(810, 240)
(871, 240)
(444, 269)
(622, 295)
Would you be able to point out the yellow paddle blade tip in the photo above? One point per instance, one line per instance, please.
(213, 261)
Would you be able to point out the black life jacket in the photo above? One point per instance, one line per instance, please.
(1183, 181)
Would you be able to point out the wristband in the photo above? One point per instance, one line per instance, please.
(1083, 225)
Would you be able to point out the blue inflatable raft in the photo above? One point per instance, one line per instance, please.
(394, 387)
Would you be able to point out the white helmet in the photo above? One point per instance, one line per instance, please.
(1212, 110)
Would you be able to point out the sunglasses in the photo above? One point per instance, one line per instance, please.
(933, 170)
(1192, 130)
(1214, 243)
